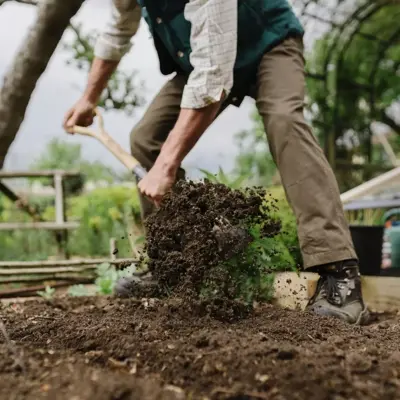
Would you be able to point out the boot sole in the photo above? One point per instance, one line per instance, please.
(364, 317)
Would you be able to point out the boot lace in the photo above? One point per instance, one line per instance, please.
(328, 286)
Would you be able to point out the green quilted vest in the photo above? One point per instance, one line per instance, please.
(262, 24)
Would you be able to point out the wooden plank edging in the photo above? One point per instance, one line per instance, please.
(65, 263)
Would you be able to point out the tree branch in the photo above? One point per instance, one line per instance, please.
(19, 82)
(29, 2)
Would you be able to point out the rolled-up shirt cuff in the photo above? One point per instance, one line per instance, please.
(201, 96)
(106, 51)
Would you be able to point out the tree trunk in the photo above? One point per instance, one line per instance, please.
(29, 64)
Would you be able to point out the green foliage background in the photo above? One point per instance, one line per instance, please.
(102, 214)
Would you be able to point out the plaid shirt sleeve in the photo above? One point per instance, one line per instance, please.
(115, 41)
(213, 41)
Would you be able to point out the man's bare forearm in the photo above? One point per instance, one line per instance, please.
(100, 73)
(188, 129)
(191, 124)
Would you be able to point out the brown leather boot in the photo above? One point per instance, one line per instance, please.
(338, 293)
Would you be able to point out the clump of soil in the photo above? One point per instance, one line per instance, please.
(114, 349)
(184, 245)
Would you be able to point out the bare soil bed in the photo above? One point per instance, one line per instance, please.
(112, 349)
(182, 347)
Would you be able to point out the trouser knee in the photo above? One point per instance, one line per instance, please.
(146, 152)
(142, 150)
(290, 138)
(279, 128)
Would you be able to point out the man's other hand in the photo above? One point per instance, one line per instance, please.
(82, 114)
(157, 182)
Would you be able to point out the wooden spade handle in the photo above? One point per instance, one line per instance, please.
(102, 136)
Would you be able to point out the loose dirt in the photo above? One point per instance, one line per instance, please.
(111, 349)
(198, 227)
(182, 241)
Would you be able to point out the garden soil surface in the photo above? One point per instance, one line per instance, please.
(119, 349)
(177, 347)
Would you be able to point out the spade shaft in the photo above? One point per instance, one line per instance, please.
(121, 154)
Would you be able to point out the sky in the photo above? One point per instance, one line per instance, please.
(61, 85)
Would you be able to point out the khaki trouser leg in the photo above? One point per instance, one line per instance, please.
(150, 133)
(307, 177)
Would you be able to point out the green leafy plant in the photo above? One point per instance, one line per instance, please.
(284, 213)
(47, 293)
(366, 217)
(222, 177)
(107, 277)
(78, 291)
(250, 275)
(103, 213)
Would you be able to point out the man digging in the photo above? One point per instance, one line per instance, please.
(220, 52)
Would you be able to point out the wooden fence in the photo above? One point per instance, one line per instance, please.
(32, 276)
(60, 226)
(58, 273)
